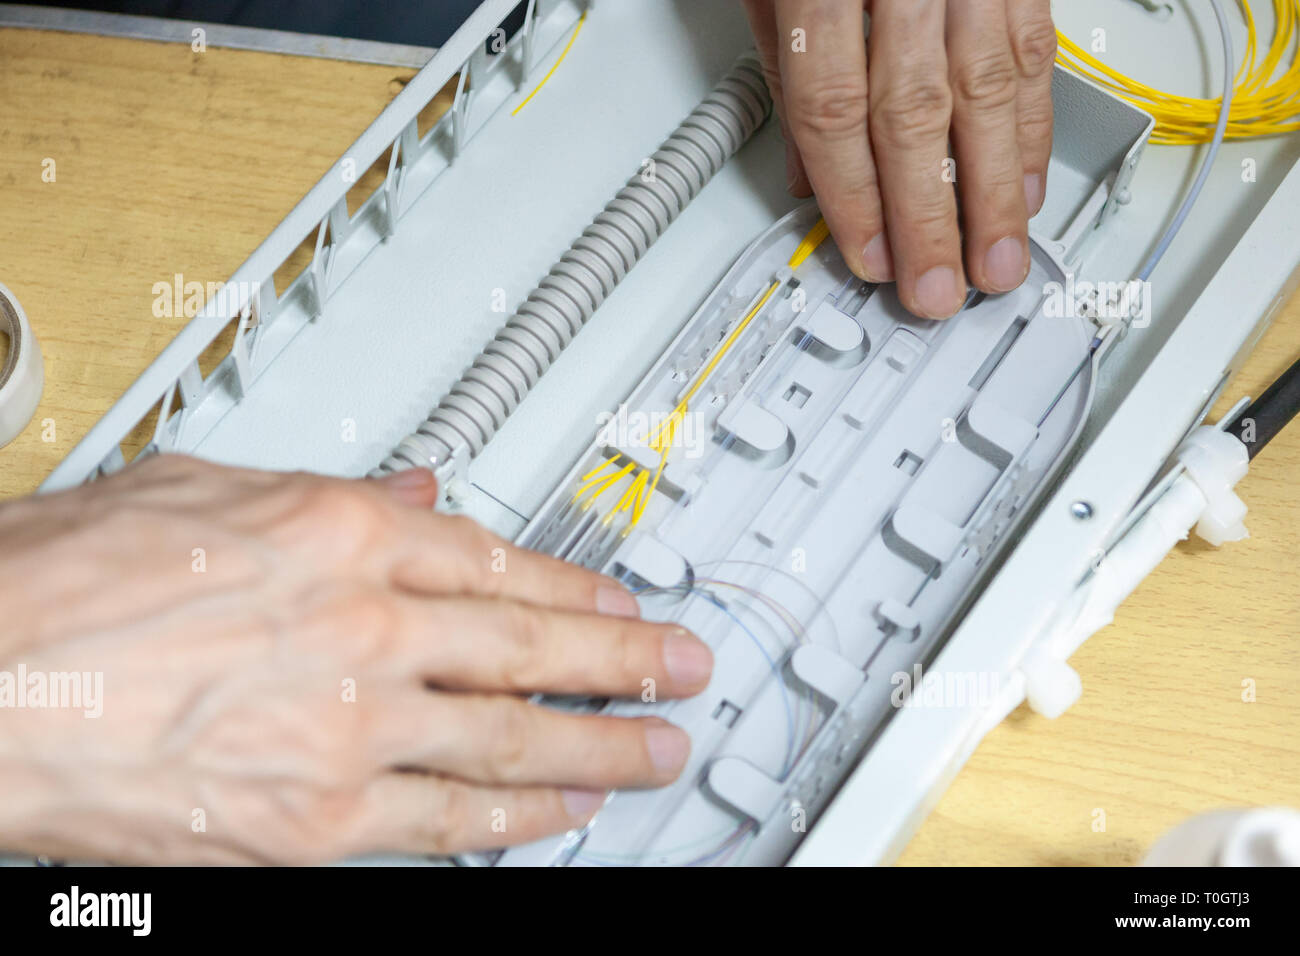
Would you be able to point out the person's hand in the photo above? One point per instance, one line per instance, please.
(297, 669)
(867, 127)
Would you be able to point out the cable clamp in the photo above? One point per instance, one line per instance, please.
(1216, 460)
(453, 478)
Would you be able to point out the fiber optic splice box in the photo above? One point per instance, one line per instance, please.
(848, 498)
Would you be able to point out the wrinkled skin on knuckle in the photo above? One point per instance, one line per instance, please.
(987, 81)
(911, 114)
(1036, 125)
(1034, 45)
(832, 107)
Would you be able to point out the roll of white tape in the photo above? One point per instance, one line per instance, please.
(22, 376)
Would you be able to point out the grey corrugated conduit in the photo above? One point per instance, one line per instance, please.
(547, 321)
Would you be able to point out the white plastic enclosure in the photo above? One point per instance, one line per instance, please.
(400, 296)
(846, 474)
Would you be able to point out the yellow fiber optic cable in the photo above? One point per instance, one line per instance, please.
(641, 491)
(608, 482)
(1266, 99)
(601, 467)
(646, 498)
(594, 476)
(627, 501)
(565, 52)
(809, 243)
(649, 493)
(736, 333)
(663, 439)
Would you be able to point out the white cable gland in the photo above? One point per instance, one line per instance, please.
(1216, 460)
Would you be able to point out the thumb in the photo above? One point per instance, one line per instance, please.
(414, 486)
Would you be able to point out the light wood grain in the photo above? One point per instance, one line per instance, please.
(170, 161)
(167, 161)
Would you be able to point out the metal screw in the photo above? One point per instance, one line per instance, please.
(1081, 510)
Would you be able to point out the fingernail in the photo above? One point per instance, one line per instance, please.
(616, 602)
(409, 478)
(668, 747)
(877, 262)
(581, 804)
(1033, 192)
(687, 659)
(791, 171)
(937, 295)
(1006, 264)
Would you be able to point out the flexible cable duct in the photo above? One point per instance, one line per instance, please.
(476, 406)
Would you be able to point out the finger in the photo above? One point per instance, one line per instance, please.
(497, 739)
(414, 813)
(823, 65)
(445, 555)
(1033, 43)
(762, 23)
(984, 83)
(495, 645)
(796, 174)
(414, 486)
(911, 106)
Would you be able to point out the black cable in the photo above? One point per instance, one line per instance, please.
(1269, 414)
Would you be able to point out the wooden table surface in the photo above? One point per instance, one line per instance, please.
(171, 161)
